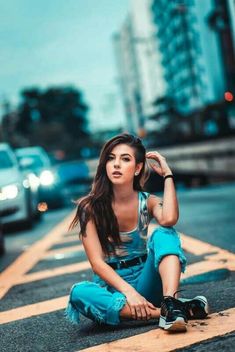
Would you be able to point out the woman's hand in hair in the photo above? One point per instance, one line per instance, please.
(159, 165)
(139, 306)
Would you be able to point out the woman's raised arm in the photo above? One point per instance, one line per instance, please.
(165, 210)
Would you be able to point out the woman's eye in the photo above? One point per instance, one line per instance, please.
(126, 159)
(110, 157)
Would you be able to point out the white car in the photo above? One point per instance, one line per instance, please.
(35, 159)
(16, 201)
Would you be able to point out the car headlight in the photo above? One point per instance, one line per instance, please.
(33, 180)
(47, 178)
(9, 192)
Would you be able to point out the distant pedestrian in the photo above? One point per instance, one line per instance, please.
(135, 277)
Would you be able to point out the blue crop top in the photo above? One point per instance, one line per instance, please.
(134, 242)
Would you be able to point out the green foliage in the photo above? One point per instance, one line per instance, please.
(55, 118)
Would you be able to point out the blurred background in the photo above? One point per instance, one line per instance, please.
(75, 73)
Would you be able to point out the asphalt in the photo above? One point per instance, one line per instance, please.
(206, 214)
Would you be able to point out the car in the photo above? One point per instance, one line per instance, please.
(74, 179)
(35, 159)
(18, 195)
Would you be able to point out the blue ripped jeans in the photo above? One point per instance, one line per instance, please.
(102, 303)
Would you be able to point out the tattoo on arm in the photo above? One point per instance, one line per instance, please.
(160, 204)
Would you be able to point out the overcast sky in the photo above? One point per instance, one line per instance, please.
(53, 42)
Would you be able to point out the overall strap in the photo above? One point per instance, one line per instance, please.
(144, 217)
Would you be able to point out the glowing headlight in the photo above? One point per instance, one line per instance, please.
(33, 180)
(47, 178)
(9, 192)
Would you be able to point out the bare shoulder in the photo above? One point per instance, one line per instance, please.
(154, 201)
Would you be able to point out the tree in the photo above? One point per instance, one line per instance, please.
(55, 118)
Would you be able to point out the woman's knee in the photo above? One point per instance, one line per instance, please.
(164, 237)
(80, 292)
(165, 241)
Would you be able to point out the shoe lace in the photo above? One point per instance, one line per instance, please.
(177, 292)
(173, 294)
(172, 301)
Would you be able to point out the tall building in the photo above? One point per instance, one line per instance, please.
(196, 47)
(139, 66)
(128, 75)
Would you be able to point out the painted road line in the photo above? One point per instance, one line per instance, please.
(223, 259)
(206, 266)
(31, 256)
(32, 310)
(46, 274)
(212, 263)
(66, 239)
(60, 251)
(158, 340)
(198, 247)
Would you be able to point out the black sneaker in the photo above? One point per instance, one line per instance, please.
(195, 308)
(173, 317)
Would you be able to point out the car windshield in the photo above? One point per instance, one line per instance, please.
(5, 160)
(32, 161)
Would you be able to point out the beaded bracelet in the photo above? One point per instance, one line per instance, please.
(168, 176)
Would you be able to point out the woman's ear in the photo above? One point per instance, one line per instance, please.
(138, 168)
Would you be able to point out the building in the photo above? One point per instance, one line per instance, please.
(128, 75)
(139, 67)
(196, 46)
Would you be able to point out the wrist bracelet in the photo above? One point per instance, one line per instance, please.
(168, 176)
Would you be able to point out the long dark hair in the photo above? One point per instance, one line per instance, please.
(97, 205)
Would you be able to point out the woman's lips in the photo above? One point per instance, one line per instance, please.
(117, 173)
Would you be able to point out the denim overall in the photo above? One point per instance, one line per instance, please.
(102, 303)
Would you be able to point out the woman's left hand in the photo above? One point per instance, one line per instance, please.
(161, 167)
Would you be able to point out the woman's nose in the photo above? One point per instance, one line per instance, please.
(116, 163)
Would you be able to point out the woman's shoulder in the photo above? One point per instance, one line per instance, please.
(152, 201)
(150, 197)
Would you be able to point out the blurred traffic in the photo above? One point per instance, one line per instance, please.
(36, 160)
(19, 190)
(30, 185)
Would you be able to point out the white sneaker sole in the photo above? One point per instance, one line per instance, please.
(177, 325)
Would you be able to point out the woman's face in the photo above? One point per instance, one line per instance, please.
(121, 165)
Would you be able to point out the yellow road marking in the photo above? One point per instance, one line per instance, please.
(207, 265)
(63, 250)
(157, 340)
(67, 239)
(31, 256)
(46, 274)
(15, 274)
(33, 310)
(197, 247)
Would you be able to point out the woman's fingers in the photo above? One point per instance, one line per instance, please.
(143, 311)
(154, 155)
(139, 313)
(133, 312)
(140, 308)
(148, 312)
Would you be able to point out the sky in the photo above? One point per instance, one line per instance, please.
(63, 42)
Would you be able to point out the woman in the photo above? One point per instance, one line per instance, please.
(133, 275)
